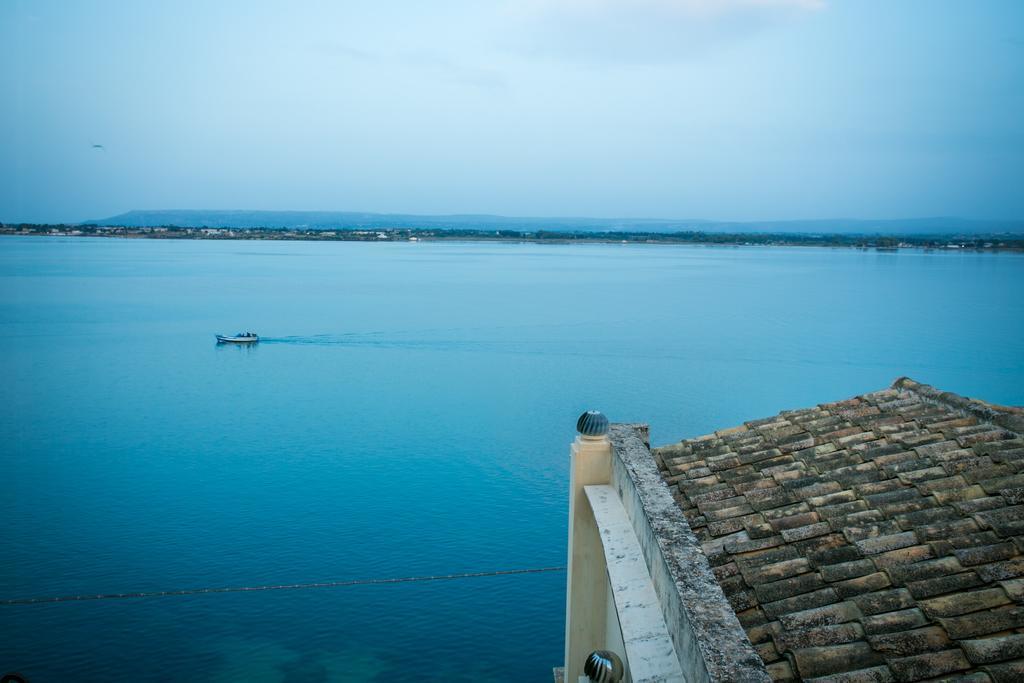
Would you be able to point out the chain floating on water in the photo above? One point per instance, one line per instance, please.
(274, 587)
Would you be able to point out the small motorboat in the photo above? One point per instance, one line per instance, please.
(240, 338)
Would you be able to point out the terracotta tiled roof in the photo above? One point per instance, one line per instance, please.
(879, 538)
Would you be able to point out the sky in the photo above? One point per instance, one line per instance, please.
(715, 109)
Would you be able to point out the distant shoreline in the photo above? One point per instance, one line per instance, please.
(878, 242)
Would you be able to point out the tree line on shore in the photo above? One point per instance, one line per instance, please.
(883, 242)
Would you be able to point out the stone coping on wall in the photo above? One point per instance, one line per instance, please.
(708, 638)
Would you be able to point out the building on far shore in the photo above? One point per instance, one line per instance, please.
(879, 538)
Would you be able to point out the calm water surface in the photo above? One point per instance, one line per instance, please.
(409, 412)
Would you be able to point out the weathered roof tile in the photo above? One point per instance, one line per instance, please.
(943, 529)
(962, 603)
(865, 490)
(1009, 672)
(756, 527)
(862, 584)
(921, 475)
(763, 632)
(787, 588)
(928, 450)
(928, 588)
(910, 642)
(930, 516)
(838, 613)
(816, 489)
(917, 438)
(767, 652)
(927, 569)
(980, 623)
(897, 494)
(846, 570)
(793, 521)
(907, 555)
(979, 504)
(840, 509)
(1005, 521)
(823, 661)
(817, 636)
(873, 529)
(1014, 588)
(874, 674)
(958, 494)
(766, 499)
(991, 448)
(746, 544)
(781, 671)
(900, 620)
(801, 533)
(985, 554)
(713, 503)
(817, 598)
(853, 518)
(996, 571)
(832, 555)
(756, 456)
(998, 649)
(884, 601)
(785, 511)
(929, 665)
(903, 507)
(775, 571)
(854, 439)
(881, 544)
(814, 548)
(942, 483)
(1013, 495)
(996, 485)
(986, 472)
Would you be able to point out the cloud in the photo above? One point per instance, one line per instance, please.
(641, 30)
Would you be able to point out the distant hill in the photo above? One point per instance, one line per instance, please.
(342, 220)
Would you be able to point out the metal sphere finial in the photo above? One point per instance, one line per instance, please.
(604, 666)
(592, 423)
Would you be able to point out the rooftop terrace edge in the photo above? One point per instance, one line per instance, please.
(709, 640)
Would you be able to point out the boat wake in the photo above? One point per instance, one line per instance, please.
(448, 338)
(391, 342)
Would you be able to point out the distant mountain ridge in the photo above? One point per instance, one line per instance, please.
(350, 220)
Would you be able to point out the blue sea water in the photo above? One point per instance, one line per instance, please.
(409, 412)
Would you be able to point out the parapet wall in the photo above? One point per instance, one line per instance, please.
(709, 641)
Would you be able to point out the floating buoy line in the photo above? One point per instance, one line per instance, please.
(274, 587)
